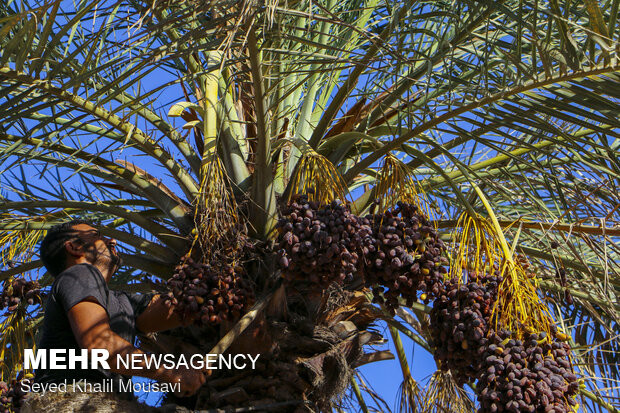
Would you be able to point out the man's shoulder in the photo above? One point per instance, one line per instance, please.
(77, 283)
(80, 274)
(79, 269)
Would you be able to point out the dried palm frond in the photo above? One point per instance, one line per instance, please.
(443, 395)
(13, 341)
(518, 307)
(17, 245)
(409, 395)
(476, 247)
(396, 183)
(317, 178)
(216, 217)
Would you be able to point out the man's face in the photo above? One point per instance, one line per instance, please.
(98, 250)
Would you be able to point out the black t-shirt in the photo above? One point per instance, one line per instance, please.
(70, 287)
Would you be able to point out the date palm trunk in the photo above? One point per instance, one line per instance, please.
(307, 352)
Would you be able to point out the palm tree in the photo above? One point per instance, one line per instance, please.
(172, 123)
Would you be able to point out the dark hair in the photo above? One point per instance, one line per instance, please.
(52, 250)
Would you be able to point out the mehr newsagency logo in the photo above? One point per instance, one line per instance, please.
(70, 359)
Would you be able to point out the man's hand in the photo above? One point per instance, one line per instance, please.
(190, 380)
(158, 316)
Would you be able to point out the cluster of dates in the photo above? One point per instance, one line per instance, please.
(320, 245)
(12, 396)
(17, 291)
(209, 293)
(403, 256)
(459, 321)
(511, 375)
(531, 375)
(397, 253)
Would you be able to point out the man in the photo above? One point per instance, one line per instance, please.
(81, 312)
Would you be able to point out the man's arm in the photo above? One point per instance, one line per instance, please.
(91, 327)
